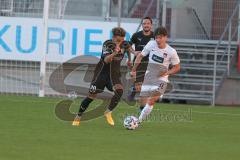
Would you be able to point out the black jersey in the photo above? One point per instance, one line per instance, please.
(140, 40)
(111, 69)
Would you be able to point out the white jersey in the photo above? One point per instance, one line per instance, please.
(159, 61)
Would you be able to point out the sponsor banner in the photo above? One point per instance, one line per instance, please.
(22, 38)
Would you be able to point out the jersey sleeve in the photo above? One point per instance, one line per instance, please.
(105, 51)
(133, 39)
(175, 58)
(146, 50)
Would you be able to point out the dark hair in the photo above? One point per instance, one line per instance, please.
(118, 31)
(149, 18)
(160, 31)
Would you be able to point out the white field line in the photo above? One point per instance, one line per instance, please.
(213, 113)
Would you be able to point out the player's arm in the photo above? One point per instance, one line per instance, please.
(132, 51)
(109, 51)
(126, 47)
(137, 62)
(129, 61)
(133, 41)
(175, 69)
(109, 58)
(146, 50)
(175, 61)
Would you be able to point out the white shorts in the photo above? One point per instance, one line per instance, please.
(152, 90)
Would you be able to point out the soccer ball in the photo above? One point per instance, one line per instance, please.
(130, 123)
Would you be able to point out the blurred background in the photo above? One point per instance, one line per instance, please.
(37, 36)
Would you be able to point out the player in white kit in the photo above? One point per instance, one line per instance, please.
(161, 55)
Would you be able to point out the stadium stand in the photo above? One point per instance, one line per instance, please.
(195, 81)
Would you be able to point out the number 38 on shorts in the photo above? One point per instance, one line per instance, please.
(151, 90)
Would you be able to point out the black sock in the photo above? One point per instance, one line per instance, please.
(132, 94)
(115, 99)
(141, 107)
(84, 105)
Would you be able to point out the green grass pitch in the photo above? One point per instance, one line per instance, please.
(29, 130)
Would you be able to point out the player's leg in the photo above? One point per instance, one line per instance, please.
(85, 103)
(83, 107)
(144, 96)
(142, 101)
(139, 81)
(118, 92)
(97, 86)
(136, 88)
(132, 93)
(150, 101)
(153, 93)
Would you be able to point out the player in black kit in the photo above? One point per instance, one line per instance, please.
(140, 39)
(107, 74)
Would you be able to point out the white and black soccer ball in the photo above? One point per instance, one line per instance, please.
(130, 122)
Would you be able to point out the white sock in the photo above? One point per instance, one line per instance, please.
(145, 112)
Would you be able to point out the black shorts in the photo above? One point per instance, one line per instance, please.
(104, 76)
(99, 83)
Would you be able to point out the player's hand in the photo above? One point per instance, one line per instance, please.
(125, 45)
(163, 74)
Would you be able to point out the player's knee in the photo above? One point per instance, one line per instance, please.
(92, 95)
(151, 101)
(118, 87)
(118, 93)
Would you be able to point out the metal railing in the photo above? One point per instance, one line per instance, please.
(195, 14)
(145, 14)
(228, 28)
